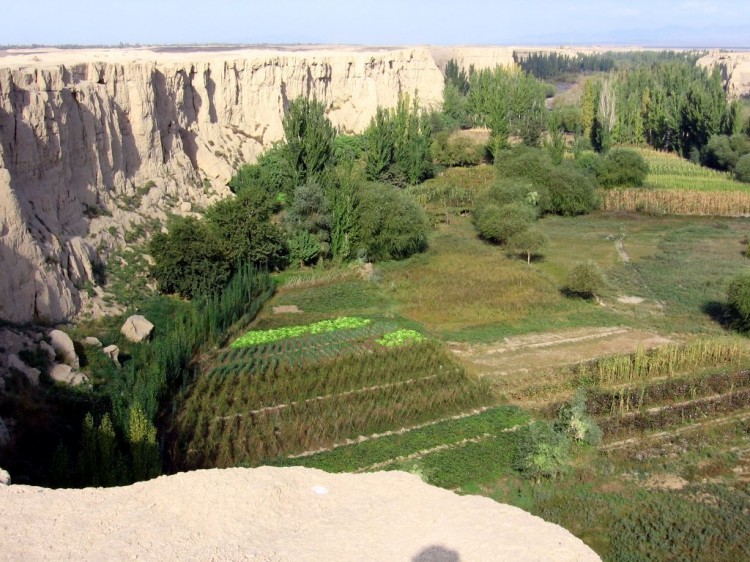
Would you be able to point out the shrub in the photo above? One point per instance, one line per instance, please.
(497, 223)
(589, 161)
(308, 222)
(450, 150)
(623, 167)
(542, 451)
(389, 223)
(517, 190)
(742, 169)
(574, 420)
(572, 192)
(584, 280)
(738, 297)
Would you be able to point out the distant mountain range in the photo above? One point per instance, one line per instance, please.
(670, 36)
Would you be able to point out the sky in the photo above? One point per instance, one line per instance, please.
(699, 23)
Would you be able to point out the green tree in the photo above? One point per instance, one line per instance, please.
(542, 451)
(308, 221)
(529, 243)
(738, 297)
(310, 138)
(742, 169)
(243, 226)
(390, 224)
(189, 259)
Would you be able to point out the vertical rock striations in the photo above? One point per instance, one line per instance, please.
(91, 145)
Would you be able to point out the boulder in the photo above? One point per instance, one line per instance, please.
(65, 374)
(4, 478)
(32, 374)
(92, 342)
(113, 352)
(137, 328)
(64, 347)
(49, 350)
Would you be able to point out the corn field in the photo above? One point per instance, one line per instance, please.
(677, 202)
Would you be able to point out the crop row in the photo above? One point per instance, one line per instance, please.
(358, 456)
(676, 414)
(677, 202)
(259, 337)
(281, 383)
(254, 438)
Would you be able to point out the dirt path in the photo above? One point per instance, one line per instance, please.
(553, 349)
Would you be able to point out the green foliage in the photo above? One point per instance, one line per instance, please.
(570, 118)
(454, 151)
(390, 224)
(722, 152)
(543, 452)
(308, 222)
(146, 463)
(398, 144)
(738, 297)
(742, 169)
(622, 167)
(529, 243)
(242, 224)
(584, 280)
(574, 421)
(310, 138)
(272, 174)
(348, 148)
(190, 259)
(400, 338)
(498, 223)
(546, 66)
(258, 337)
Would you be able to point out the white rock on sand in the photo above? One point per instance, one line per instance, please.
(275, 514)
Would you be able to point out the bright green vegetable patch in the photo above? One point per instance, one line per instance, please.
(259, 337)
(399, 338)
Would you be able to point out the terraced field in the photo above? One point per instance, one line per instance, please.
(280, 398)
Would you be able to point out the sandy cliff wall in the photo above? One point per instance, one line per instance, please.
(83, 132)
(735, 69)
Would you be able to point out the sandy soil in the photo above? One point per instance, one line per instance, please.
(275, 514)
(553, 349)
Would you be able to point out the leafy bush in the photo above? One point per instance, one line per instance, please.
(454, 151)
(589, 161)
(542, 451)
(389, 223)
(738, 297)
(623, 167)
(308, 222)
(190, 259)
(574, 420)
(569, 118)
(742, 169)
(584, 280)
(272, 174)
(498, 223)
(518, 190)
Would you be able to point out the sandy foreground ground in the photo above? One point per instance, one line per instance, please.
(275, 514)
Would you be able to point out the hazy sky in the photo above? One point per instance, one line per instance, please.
(379, 22)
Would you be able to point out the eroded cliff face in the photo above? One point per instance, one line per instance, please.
(87, 149)
(735, 69)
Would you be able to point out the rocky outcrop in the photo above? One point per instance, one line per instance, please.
(66, 375)
(279, 514)
(136, 328)
(32, 374)
(4, 478)
(63, 345)
(113, 352)
(735, 71)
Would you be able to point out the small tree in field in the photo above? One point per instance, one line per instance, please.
(529, 243)
(584, 280)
